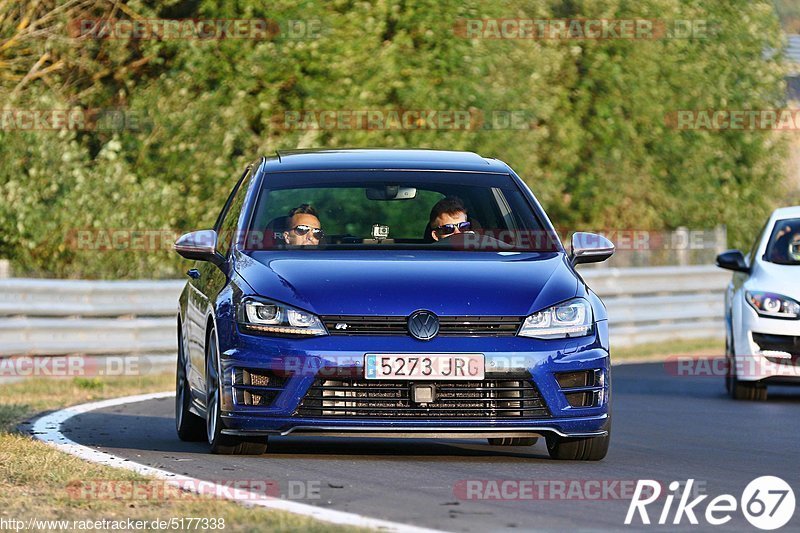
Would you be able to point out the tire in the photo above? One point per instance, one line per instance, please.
(730, 360)
(190, 427)
(743, 390)
(578, 449)
(513, 441)
(747, 390)
(220, 443)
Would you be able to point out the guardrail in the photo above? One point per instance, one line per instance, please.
(659, 304)
(50, 317)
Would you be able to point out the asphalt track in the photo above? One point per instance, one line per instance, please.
(665, 427)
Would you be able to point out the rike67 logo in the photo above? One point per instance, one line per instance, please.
(767, 503)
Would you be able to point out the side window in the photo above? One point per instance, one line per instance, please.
(229, 217)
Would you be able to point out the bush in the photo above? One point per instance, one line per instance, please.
(599, 152)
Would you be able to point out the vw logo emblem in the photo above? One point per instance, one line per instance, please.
(423, 325)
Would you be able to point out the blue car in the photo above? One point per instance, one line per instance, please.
(390, 293)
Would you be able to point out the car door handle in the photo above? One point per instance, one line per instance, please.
(193, 273)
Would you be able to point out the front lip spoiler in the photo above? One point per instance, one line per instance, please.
(413, 432)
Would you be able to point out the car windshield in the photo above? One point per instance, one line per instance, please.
(393, 209)
(784, 243)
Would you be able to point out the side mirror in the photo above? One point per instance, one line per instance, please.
(200, 246)
(590, 248)
(732, 260)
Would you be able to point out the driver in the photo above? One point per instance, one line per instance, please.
(794, 248)
(448, 217)
(304, 228)
(786, 247)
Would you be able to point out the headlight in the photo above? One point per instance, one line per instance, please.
(772, 305)
(273, 318)
(572, 318)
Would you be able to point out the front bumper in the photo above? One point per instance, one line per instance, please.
(302, 363)
(758, 344)
(407, 429)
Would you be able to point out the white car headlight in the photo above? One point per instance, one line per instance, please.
(772, 305)
(572, 318)
(273, 318)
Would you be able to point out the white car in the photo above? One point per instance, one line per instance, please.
(762, 309)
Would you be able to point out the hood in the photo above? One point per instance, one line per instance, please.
(400, 282)
(772, 277)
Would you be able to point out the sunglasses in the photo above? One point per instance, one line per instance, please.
(449, 229)
(302, 229)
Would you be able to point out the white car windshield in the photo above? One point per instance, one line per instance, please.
(784, 243)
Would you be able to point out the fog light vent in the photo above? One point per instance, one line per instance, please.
(259, 377)
(582, 388)
(580, 399)
(570, 380)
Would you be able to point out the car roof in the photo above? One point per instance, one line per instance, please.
(382, 159)
(786, 212)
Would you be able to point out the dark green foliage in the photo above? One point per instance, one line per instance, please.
(599, 153)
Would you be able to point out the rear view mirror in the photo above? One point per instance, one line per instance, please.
(200, 246)
(391, 192)
(590, 248)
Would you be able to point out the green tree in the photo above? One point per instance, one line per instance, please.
(597, 149)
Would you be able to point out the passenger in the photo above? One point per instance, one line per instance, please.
(782, 248)
(794, 248)
(448, 217)
(304, 228)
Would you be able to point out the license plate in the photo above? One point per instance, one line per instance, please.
(424, 366)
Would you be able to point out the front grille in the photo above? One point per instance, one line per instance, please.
(360, 398)
(464, 326)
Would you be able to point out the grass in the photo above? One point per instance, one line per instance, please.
(35, 479)
(662, 350)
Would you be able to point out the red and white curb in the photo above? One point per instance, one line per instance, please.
(47, 429)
